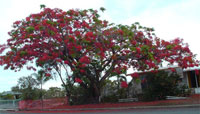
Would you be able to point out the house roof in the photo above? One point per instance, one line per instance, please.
(191, 69)
(170, 67)
(160, 69)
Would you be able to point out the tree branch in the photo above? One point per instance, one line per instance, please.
(60, 76)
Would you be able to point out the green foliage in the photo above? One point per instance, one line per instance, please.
(161, 84)
(54, 92)
(42, 6)
(102, 9)
(28, 87)
(30, 94)
(184, 91)
(6, 97)
(22, 53)
(122, 93)
(15, 89)
(30, 29)
(79, 95)
(110, 99)
(41, 78)
(114, 91)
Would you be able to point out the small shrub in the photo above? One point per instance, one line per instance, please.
(184, 91)
(110, 99)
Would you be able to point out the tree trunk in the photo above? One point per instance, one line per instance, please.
(68, 95)
(97, 92)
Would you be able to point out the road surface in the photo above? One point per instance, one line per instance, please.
(194, 110)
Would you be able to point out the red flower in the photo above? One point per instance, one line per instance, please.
(172, 69)
(77, 24)
(127, 51)
(17, 22)
(117, 70)
(47, 74)
(78, 48)
(140, 34)
(138, 50)
(134, 42)
(27, 18)
(120, 32)
(124, 84)
(154, 71)
(58, 60)
(89, 34)
(49, 69)
(78, 80)
(84, 24)
(82, 71)
(77, 33)
(31, 68)
(85, 60)
(66, 62)
(83, 65)
(135, 75)
(102, 54)
(197, 72)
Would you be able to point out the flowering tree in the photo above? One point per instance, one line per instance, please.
(78, 41)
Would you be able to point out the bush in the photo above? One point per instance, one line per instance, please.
(80, 95)
(184, 91)
(30, 94)
(161, 84)
(7, 97)
(110, 99)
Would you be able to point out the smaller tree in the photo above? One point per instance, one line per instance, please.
(28, 87)
(41, 78)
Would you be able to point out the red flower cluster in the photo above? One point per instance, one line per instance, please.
(124, 84)
(138, 50)
(78, 48)
(82, 65)
(172, 69)
(135, 75)
(117, 70)
(66, 62)
(78, 80)
(82, 71)
(47, 74)
(85, 60)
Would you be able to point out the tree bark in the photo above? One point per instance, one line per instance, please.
(97, 93)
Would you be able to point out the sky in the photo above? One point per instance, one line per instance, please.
(169, 18)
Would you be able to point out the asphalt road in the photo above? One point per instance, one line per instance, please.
(194, 110)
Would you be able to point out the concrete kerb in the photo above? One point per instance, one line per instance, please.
(123, 108)
(11, 110)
